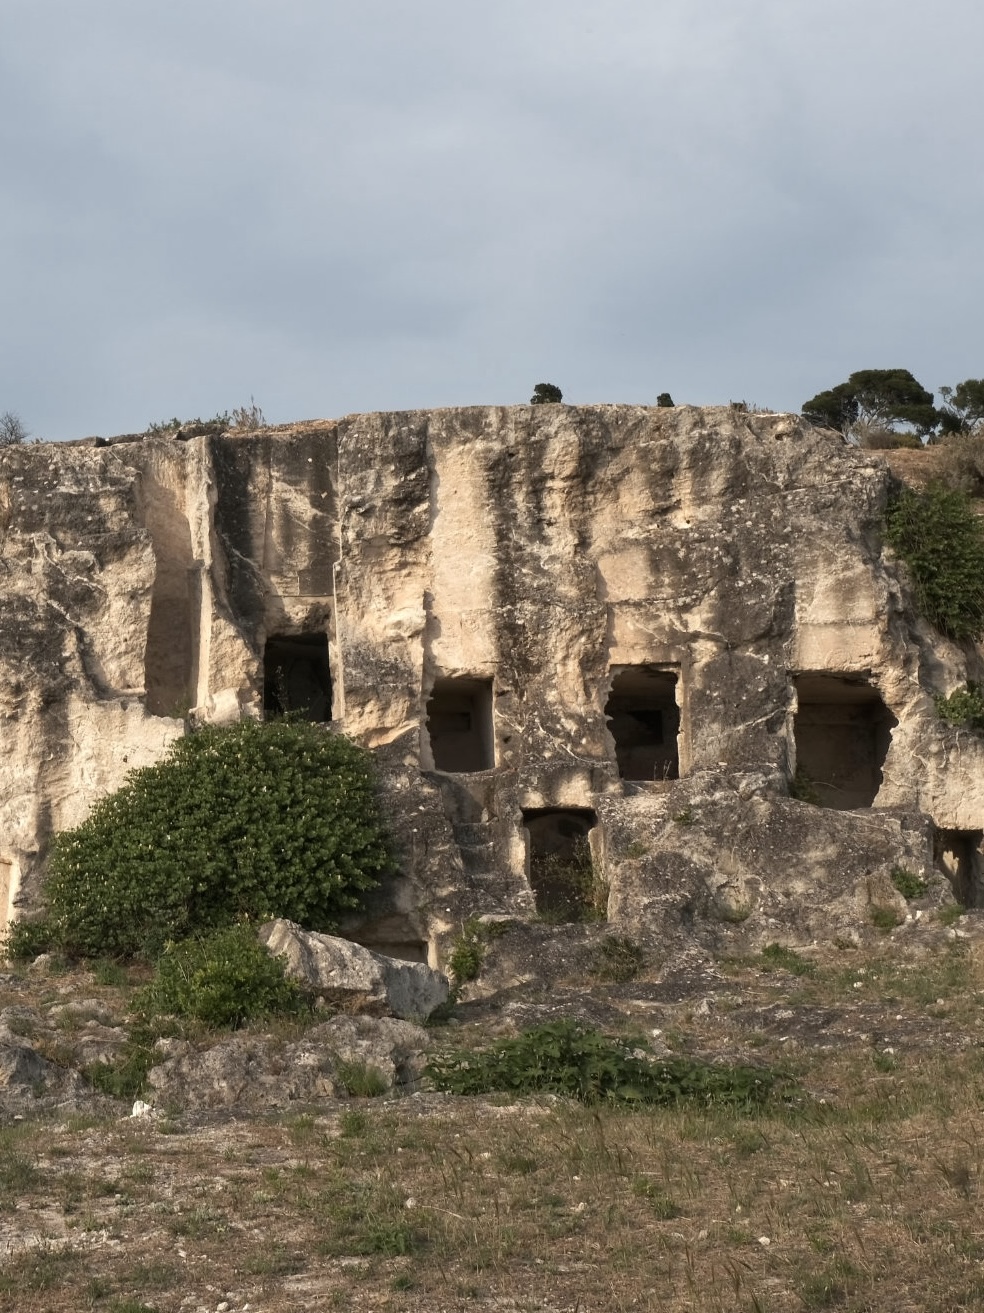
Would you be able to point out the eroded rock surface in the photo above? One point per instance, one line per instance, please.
(257, 1071)
(551, 623)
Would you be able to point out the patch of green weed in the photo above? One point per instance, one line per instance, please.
(574, 1060)
(776, 957)
(908, 883)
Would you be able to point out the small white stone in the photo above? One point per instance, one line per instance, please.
(764, 1240)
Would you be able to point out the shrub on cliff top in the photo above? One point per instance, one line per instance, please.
(251, 821)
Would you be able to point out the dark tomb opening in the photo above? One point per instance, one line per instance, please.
(296, 677)
(459, 725)
(644, 720)
(959, 854)
(842, 731)
(561, 871)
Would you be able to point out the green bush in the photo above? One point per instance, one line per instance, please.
(963, 708)
(223, 979)
(576, 1061)
(251, 821)
(941, 540)
(26, 940)
(467, 953)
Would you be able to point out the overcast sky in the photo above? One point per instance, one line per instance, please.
(377, 204)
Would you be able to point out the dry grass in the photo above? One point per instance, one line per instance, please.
(861, 1194)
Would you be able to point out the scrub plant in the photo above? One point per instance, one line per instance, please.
(223, 979)
(467, 953)
(908, 883)
(778, 957)
(941, 541)
(576, 1061)
(964, 708)
(253, 821)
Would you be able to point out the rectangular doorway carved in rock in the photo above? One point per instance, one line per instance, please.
(959, 854)
(297, 677)
(644, 720)
(842, 731)
(562, 874)
(459, 725)
(169, 656)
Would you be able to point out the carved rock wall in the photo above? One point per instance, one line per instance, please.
(535, 555)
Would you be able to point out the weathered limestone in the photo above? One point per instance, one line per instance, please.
(250, 1071)
(348, 976)
(554, 594)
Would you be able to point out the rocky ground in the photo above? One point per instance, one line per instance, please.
(263, 1177)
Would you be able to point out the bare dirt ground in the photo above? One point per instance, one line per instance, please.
(858, 1190)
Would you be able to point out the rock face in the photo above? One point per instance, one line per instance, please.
(347, 976)
(615, 631)
(257, 1072)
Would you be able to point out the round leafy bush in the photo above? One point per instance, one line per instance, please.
(251, 821)
(225, 978)
(941, 541)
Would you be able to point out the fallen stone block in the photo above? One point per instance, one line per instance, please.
(353, 978)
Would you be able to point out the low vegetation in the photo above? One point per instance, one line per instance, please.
(223, 979)
(573, 1060)
(908, 883)
(241, 418)
(941, 541)
(857, 1186)
(964, 708)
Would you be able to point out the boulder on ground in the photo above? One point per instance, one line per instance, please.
(350, 977)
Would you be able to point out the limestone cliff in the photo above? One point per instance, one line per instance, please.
(617, 624)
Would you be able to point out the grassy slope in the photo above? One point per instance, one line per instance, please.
(863, 1194)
